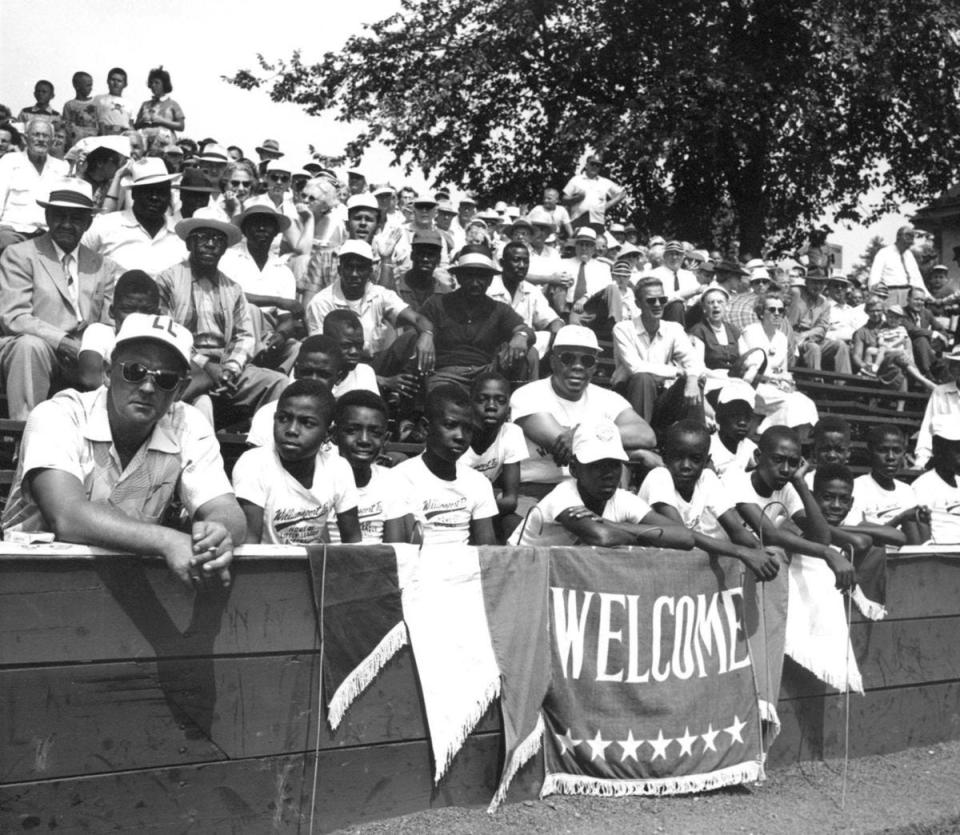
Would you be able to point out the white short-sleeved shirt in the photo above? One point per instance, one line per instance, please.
(779, 506)
(595, 403)
(444, 508)
(377, 309)
(509, 447)
(120, 237)
(596, 192)
(710, 500)
(369, 508)
(542, 527)
(261, 425)
(876, 505)
(99, 338)
(71, 432)
(293, 514)
(275, 279)
(724, 460)
(943, 499)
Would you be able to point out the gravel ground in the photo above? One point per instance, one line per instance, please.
(914, 792)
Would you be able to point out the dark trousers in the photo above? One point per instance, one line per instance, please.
(660, 405)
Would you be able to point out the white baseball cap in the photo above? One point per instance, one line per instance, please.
(576, 336)
(597, 441)
(159, 329)
(354, 246)
(736, 389)
(585, 233)
(363, 201)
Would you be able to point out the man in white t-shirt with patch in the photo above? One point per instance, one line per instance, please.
(549, 410)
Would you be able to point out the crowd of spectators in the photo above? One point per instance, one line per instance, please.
(154, 289)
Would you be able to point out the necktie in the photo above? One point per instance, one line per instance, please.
(580, 289)
(71, 282)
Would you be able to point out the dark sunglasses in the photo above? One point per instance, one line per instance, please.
(279, 178)
(660, 300)
(238, 183)
(137, 372)
(774, 309)
(586, 360)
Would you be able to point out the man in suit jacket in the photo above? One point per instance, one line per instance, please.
(51, 288)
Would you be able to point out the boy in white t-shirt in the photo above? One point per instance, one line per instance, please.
(882, 499)
(344, 327)
(589, 508)
(453, 504)
(937, 489)
(497, 448)
(730, 448)
(775, 493)
(360, 429)
(688, 493)
(290, 489)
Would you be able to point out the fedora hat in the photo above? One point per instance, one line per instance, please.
(269, 146)
(70, 193)
(147, 172)
(194, 179)
(185, 228)
(474, 261)
(283, 222)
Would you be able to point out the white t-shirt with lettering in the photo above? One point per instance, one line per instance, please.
(542, 528)
(509, 447)
(710, 500)
(444, 508)
(292, 514)
(876, 505)
(369, 508)
(596, 403)
(943, 499)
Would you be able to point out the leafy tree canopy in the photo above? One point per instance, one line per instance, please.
(729, 119)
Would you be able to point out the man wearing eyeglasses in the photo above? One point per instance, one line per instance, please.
(197, 295)
(101, 467)
(655, 362)
(549, 410)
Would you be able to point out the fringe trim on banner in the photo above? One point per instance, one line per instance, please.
(365, 672)
(816, 666)
(579, 784)
(869, 609)
(768, 713)
(491, 692)
(524, 752)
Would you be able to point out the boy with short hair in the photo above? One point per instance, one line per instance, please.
(775, 493)
(360, 431)
(344, 327)
(453, 503)
(289, 490)
(589, 507)
(831, 444)
(320, 359)
(686, 492)
(937, 489)
(730, 448)
(80, 113)
(879, 497)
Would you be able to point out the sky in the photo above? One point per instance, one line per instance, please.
(199, 42)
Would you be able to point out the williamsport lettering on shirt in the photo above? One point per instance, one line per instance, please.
(445, 514)
(371, 517)
(483, 466)
(293, 525)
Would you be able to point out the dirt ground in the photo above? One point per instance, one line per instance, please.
(915, 792)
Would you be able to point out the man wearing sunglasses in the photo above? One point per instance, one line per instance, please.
(101, 467)
(197, 295)
(549, 410)
(656, 365)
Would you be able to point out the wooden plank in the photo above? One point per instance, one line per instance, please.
(891, 654)
(98, 718)
(880, 722)
(265, 795)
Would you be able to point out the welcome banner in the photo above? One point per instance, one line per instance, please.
(652, 688)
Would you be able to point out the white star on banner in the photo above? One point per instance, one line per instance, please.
(629, 746)
(597, 746)
(735, 729)
(659, 745)
(708, 738)
(686, 742)
(567, 742)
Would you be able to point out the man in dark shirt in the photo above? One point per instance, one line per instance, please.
(474, 333)
(419, 283)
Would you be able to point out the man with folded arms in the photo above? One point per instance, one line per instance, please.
(101, 467)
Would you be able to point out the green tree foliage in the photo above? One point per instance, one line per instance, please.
(734, 119)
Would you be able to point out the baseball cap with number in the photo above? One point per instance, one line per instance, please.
(140, 326)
